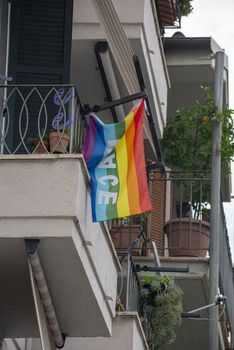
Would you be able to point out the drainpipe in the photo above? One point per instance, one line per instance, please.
(215, 204)
(37, 274)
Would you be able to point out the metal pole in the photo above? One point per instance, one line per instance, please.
(215, 204)
(149, 113)
(128, 284)
(149, 217)
(4, 110)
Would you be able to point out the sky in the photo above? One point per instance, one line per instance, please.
(215, 18)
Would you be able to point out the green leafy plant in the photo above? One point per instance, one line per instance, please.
(33, 141)
(161, 301)
(185, 7)
(187, 141)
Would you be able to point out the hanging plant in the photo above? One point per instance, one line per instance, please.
(161, 301)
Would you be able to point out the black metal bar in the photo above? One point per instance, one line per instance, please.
(131, 246)
(154, 165)
(149, 114)
(102, 46)
(191, 314)
(87, 109)
(161, 269)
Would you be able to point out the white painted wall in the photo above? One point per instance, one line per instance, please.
(141, 28)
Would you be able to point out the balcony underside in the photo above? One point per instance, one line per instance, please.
(47, 198)
(75, 303)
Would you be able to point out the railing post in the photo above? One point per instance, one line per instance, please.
(128, 282)
(149, 217)
(71, 115)
(215, 204)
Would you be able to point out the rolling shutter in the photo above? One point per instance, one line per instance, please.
(159, 211)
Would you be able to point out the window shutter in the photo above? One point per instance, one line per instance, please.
(40, 41)
(40, 50)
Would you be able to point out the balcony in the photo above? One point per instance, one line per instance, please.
(46, 196)
(29, 115)
(169, 13)
(179, 224)
(127, 332)
(180, 227)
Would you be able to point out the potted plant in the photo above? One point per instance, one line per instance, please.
(125, 234)
(40, 143)
(161, 301)
(59, 140)
(187, 145)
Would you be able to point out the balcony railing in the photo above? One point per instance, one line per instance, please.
(29, 114)
(179, 220)
(129, 285)
(182, 199)
(129, 293)
(169, 13)
(178, 223)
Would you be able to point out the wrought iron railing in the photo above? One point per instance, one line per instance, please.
(129, 293)
(29, 114)
(180, 216)
(129, 285)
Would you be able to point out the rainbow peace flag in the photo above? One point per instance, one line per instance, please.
(114, 154)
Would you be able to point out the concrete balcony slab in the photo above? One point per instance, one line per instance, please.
(47, 197)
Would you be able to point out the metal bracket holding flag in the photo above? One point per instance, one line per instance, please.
(86, 109)
(114, 154)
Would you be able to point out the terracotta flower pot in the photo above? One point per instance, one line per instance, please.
(187, 237)
(42, 146)
(122, 237)
(58, 141)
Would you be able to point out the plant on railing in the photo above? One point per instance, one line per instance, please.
(187, 142)
(161, 301)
